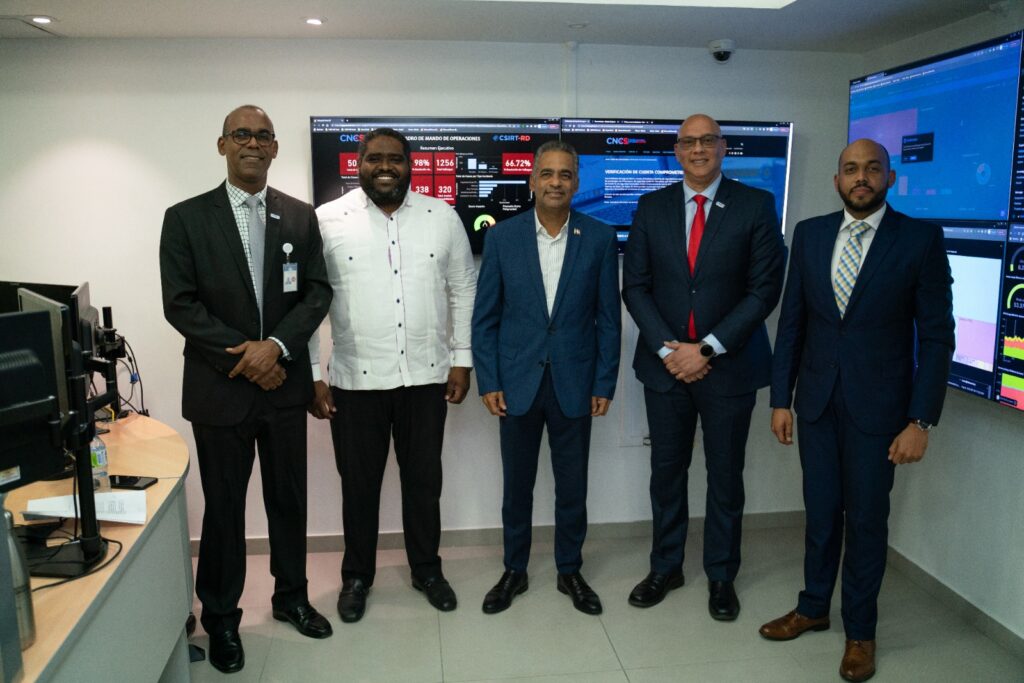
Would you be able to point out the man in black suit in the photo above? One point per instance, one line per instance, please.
(244, 282)
(702, 271)
(866, 337)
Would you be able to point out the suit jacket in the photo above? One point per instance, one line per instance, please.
(513, 335)
(736, 283)
(209, 298)
(901, 309)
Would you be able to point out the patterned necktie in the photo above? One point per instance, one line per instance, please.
(257, 238)
(696, 232)
(849, 266)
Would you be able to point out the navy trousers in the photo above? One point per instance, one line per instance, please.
(569, 439)
(725, 423)
(847, 480)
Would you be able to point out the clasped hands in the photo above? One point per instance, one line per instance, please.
(259, 363)
(686, 362)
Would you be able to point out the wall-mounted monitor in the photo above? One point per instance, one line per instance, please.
(952, 126)
(621, 159)
(481, 166)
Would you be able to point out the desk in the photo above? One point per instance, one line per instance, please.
(127, 621)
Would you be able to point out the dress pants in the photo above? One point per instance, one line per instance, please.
(847, 480)
(569, 439)
(226, 456)
(362, 430)
(725, 423)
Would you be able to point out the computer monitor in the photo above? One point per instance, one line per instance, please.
(31, 443)
(60, 327)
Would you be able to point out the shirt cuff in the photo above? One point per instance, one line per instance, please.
(715, 344)
(663, 352)
(284, 349)
(462, 358)
(315, 368)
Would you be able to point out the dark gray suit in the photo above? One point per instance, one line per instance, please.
(209, 298)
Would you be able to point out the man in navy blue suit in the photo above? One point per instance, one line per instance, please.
(702, 271)
(866, 337)
(546, 332)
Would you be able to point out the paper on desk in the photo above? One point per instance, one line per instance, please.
(114, 506)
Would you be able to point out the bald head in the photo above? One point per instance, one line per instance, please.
(700, 149)
(248, 108)
(864, 177)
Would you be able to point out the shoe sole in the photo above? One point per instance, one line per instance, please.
(820, 627)
(519, 591)
(671, 585)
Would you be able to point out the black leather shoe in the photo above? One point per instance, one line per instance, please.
(352, 600)
(653, 588)
(499, 598)
(438, 591)
(723, 604)
(306, 620)
(226, 653)
(583, 597)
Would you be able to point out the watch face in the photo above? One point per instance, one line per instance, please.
(707, 350)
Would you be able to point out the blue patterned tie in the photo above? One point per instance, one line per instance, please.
(849, 266)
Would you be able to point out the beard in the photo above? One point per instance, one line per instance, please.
(868, 204)
(395, 195)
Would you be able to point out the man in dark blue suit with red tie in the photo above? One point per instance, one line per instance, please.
(702, 271)
(866, 338)
(546, 334)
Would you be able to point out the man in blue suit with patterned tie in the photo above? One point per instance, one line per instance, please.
(866, 338)
(546, 331)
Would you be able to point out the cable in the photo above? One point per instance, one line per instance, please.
(95, 569)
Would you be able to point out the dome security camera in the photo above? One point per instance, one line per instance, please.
(722, 49)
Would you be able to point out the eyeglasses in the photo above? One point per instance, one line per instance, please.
(704, 140)
(241, 136)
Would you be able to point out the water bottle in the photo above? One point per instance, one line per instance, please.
(98, 453)
(22, 591)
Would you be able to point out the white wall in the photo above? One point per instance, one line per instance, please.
(959, 514)
(100, 136)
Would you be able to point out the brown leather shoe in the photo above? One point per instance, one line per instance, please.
(792, 625)
(858, 660)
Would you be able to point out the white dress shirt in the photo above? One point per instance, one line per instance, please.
(552, 254)
(874, 220)
(403, 292)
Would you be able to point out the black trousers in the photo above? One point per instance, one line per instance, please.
(362, 430)
(226, 456)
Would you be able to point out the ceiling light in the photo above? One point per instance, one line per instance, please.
(42, 20)
(315, 21)
(580, 25)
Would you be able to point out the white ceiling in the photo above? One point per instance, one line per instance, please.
(816, 25)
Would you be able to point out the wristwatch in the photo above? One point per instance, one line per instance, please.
(707, 350)
(922, 425)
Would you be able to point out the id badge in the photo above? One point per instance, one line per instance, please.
(291, 277)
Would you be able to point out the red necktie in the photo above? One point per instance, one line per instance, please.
(696, 232)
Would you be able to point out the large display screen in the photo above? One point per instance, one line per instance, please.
(952, 126)
(621, 159)
(479, 166)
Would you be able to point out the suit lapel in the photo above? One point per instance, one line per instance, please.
(821, 259)
(528, 226)
(273, 238)
(719, 205)
(225, 219)
(572, 248)
(883, 240)
(675, 223)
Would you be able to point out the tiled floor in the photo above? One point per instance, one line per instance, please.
(542, 639)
